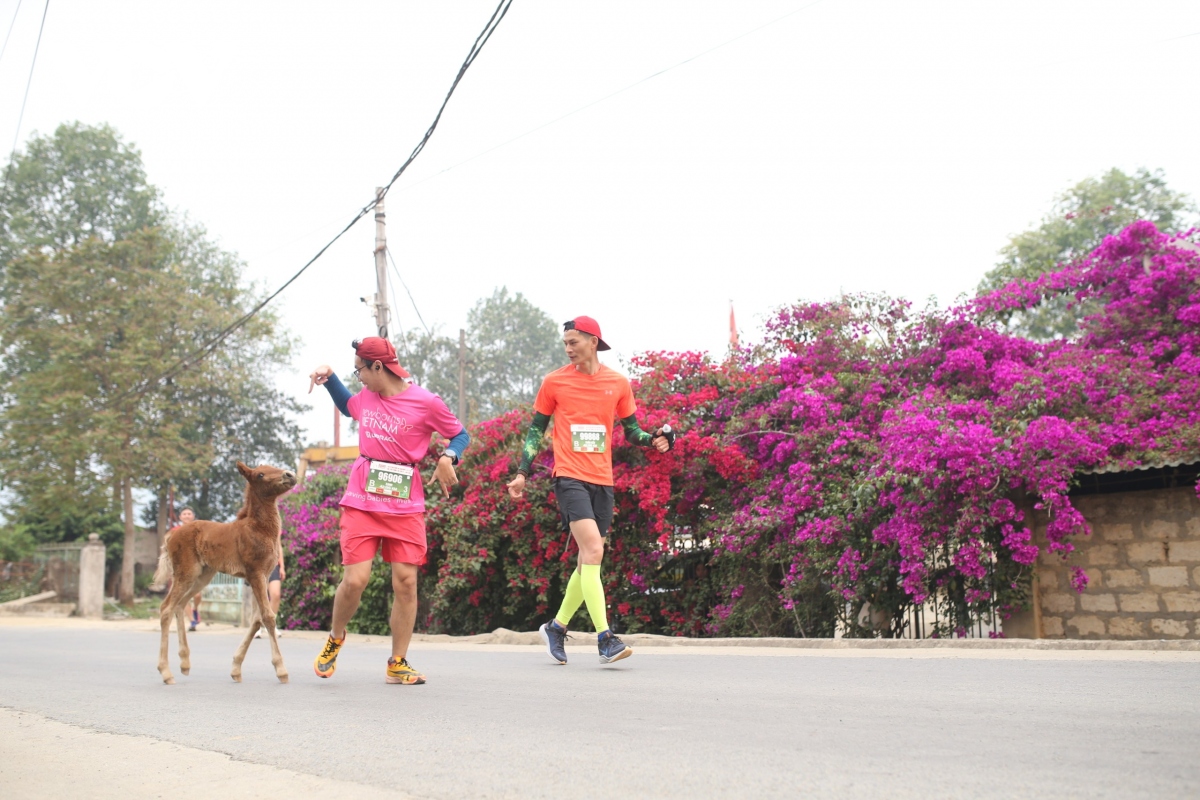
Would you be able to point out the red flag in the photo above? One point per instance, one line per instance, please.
(733, 335)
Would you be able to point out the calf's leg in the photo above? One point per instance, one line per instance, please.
(170, 607)
(197, 586)
(240, 655)
(267, 615)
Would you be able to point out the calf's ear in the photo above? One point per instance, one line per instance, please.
(246, 471)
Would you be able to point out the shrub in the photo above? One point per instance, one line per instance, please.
(864, 453)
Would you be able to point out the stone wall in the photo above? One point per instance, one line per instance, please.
(1143, 566)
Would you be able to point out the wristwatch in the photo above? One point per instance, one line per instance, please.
(453, 456)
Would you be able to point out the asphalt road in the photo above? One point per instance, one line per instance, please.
(506, 722)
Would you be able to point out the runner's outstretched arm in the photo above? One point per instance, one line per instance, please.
(533, 442)
(339, 393)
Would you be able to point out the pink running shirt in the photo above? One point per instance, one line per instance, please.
(396, 429)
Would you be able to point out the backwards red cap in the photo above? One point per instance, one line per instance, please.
(376, 348)
(590, 327)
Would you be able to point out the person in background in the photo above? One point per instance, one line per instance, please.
(187, 515)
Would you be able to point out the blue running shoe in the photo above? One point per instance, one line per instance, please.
(611, 648)
(555, 637)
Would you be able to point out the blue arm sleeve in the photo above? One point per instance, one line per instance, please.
(339, 393)
(458, 444)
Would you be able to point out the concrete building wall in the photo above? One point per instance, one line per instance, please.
(145, 548)
(1143, 566)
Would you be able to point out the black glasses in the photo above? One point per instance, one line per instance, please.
(358, 370)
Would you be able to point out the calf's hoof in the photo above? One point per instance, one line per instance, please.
(282, 678)
(237, 677)
(169, 681)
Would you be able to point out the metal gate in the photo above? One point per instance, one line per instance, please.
(60, 569)
(222, 600)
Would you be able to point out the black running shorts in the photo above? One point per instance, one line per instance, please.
(275, 575)
(581, 500)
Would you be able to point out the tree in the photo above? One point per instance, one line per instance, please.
(102, 292)
(81, 182)
(432, 360)
(236, 427)
(89, 325)
(511, 345)
(1081, 218)
(239, 415)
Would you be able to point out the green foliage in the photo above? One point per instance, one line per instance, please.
(48, 523)
(511, 345)
(376, 606)
(102, 291)
(82, 182)
(16, 543)
(1081, 218)
(432, 360)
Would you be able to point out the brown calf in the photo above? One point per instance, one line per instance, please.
(246, 548)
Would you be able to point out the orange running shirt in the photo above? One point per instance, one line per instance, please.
(584, 407)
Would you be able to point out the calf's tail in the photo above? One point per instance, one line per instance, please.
(163, 573)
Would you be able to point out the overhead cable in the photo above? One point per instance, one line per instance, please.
(25, 99)
(199, 354)
(611, 95)
(411, 299)
(10, 30)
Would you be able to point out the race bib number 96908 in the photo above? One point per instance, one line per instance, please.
(588, 438)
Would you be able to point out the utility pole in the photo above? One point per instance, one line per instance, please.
(382, 312)
(462, 376)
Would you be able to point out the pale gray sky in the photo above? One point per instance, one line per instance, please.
(843, 145)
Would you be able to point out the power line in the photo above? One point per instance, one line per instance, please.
(617, 92)
(28, 83)
(10, 30)
(396, 272)
(197, 355)
(396, 305)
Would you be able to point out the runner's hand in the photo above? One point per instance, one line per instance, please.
(516, 487)
(660, 441)
(318, 376)
(444, 474)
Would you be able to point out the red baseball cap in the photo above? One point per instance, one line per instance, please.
(376, 348)
(590, 327)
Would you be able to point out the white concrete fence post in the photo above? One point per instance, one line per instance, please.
(91, 578)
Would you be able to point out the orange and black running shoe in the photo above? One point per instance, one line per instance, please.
(400, 671)
(326, 663)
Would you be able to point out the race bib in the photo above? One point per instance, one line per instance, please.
(588, 438)
(390, 480)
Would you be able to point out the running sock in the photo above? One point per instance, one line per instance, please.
(571, 601)
(593, 595)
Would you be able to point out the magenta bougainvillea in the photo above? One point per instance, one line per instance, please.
(865, 452)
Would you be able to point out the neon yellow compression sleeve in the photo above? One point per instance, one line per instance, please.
(593, 595)
(572, 600)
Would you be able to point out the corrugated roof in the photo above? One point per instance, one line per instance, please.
(1114, 467)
